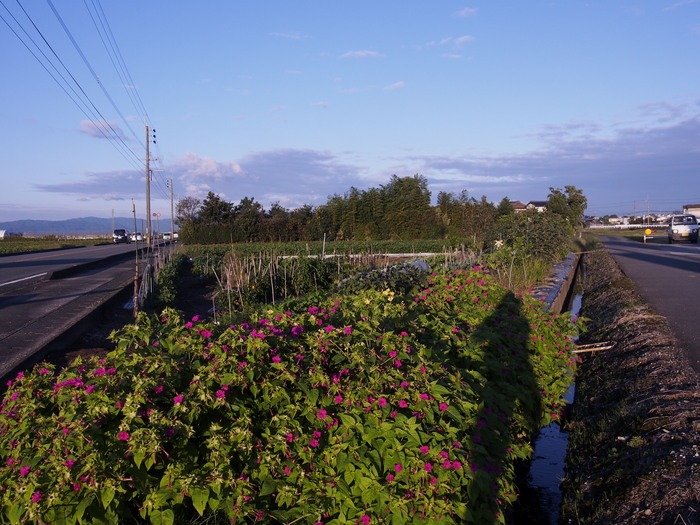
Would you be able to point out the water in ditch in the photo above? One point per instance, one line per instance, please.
(540, 499)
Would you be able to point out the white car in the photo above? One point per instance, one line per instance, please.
(683, 228)
(136, 237)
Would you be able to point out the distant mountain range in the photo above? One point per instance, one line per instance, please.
(81, 226)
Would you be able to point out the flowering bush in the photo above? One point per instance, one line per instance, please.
(369, 408)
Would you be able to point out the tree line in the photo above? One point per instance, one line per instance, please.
(398, 210)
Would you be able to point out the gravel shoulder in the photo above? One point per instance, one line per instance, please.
(634, 446)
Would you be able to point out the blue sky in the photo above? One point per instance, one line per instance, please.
(292, 102)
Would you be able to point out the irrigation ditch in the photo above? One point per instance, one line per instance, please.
(628, 452)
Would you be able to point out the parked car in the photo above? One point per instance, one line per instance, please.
(120, 236)
(683, 228)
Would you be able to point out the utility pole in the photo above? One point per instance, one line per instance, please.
(172, 213)
(136, 275)
(149, 233)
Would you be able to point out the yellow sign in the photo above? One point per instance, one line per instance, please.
(647, 231)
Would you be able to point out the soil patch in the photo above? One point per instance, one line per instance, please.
(634, 446)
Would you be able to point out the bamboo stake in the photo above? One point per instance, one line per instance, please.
(594, 347)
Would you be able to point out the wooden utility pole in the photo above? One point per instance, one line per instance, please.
(136, 275)
(149, 233)
(172, 213)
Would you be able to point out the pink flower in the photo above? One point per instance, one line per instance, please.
(456, 465)
(382, 401)
(220, 394)
(24, 470)
(289, 437)
(424, 449)
(338, 398)
(433, 481)
(10, 462)
(398, 467)
(443, 407)
(365, 519)
(322, 414)
(390, 477)
(403, 403)
(313, 443)
(69, 463)
(347, 330)
(405, 384)
(158, 389)
(36, 497)
(428, 467)
(276, 359)
(123, 436)
(178, 399)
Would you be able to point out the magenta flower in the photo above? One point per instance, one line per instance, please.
(443, 407)
(428, 467)
(36, 497)
(403, 403)
(347, 330)
(313, 443)
(69, 463)
(24, 470)
(289, 437)
(424, 449)
(322, 414)
(123, 436)
(178, 399)
(220, 394)
(382, 401)
(365, 519)
(390, 477)
(276, 359)
(10, 462)
(398, 467)
(338, 399)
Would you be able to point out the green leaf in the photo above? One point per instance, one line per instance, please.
(138, 457)
(199, 499)
(162, 517)
(269, 487)
(106, 495)
(15, 513)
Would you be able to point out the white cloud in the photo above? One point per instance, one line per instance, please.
(466, 12)
(396, 85)
(361, 54)
(101, 129)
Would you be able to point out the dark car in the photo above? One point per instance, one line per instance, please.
(120, 236)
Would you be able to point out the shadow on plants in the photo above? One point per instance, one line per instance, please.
(504, 336)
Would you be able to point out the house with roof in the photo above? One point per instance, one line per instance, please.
(693, 209)
(537, 205)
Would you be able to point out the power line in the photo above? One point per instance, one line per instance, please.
(93, 115)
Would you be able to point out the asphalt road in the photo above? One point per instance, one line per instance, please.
(18, 269)
(47, 298)
(668, 279)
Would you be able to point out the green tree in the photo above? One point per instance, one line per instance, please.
(570, 204)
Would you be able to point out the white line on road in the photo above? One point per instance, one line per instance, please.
(24, 279)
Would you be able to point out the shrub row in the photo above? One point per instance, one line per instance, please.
(368, 408)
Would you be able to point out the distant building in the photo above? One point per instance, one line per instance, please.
(693, 209)
(4, 234)
(537, 205)
(518, 206)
